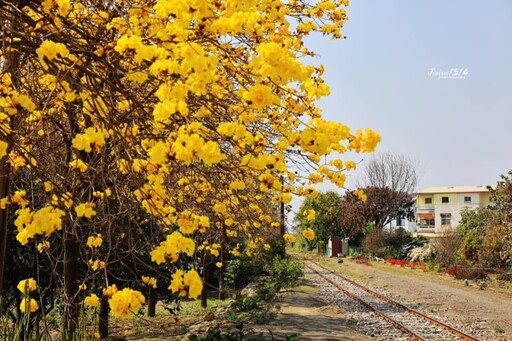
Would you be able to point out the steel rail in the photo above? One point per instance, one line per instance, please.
(368, 306)
(395, 303)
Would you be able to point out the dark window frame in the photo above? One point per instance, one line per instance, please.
(445, 200)
(428, 201)
(446, 218)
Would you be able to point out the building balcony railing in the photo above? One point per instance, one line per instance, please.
(429, 229)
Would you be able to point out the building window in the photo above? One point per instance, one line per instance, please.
(427, 223)
(445, 200)
(467, 200)
(446, 219)
(428, 200)
(399, 222)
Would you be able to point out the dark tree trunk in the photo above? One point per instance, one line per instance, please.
(71, 287)
(206, 273)
(222, 294)
(282, 230)
(9, 63)
(152, 302)
(103, 318)
(4, 191)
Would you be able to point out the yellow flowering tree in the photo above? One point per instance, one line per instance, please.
(153, 117)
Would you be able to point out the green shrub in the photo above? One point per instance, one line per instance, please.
(237, 333)
(446, 248)
(284, 273)
(247, 303)
(240, 271)
(386, 244)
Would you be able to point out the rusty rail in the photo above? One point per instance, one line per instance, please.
(393, 302)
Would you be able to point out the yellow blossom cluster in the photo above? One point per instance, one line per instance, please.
(171, 248)
(94, 241)
(85, 210)
(125, 302)
(149, 281)
(186, 284)
(310, 214)
(289, 238)
(91, 301)
(110, 290)
(308, 234)
(360, 194)
(28, 305)
(43, 246)
(97, 264)
(44, 222)
(26, 286)
(194, 112)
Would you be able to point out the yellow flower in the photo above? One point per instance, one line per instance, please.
(260, 96)
(361, 195)
(149, 281)
(94, 241)
(41, 247)
(32, 305)
(85, 210)
(308, 234)
(218, 264)
(91, 301)
(50, 50)
(289, 238)
(110, 291)
(310, 214)
(125, 302)
(19, 198)
(48, 186)
(3, 149)
(79, 165)
(97, 264)
(189, 284)
(27, 285)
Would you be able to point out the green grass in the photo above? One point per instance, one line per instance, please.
(497, 329)
(193, 307)
(342, 268)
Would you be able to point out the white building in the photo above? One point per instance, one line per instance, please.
(438, 208)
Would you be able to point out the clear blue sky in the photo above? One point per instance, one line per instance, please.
(460, 130)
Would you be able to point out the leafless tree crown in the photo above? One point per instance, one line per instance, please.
(395, 171)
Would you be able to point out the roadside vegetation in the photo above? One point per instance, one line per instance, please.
(480, 248)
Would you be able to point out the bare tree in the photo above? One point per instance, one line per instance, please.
(395, 171)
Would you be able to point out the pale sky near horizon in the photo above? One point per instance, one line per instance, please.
(459, 130)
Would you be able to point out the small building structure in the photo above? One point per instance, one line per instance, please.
(438, 209)
(337, 247)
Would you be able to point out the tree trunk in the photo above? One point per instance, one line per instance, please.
(103, 318)
(4, 191)
(71, 286)
(152, 302)
(222, 294)
(9, 63)
(206, 273)
(282, 230)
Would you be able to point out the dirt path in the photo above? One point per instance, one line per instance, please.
(304, 314)
(463, 304)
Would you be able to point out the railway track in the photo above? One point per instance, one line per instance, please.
(415, 324)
